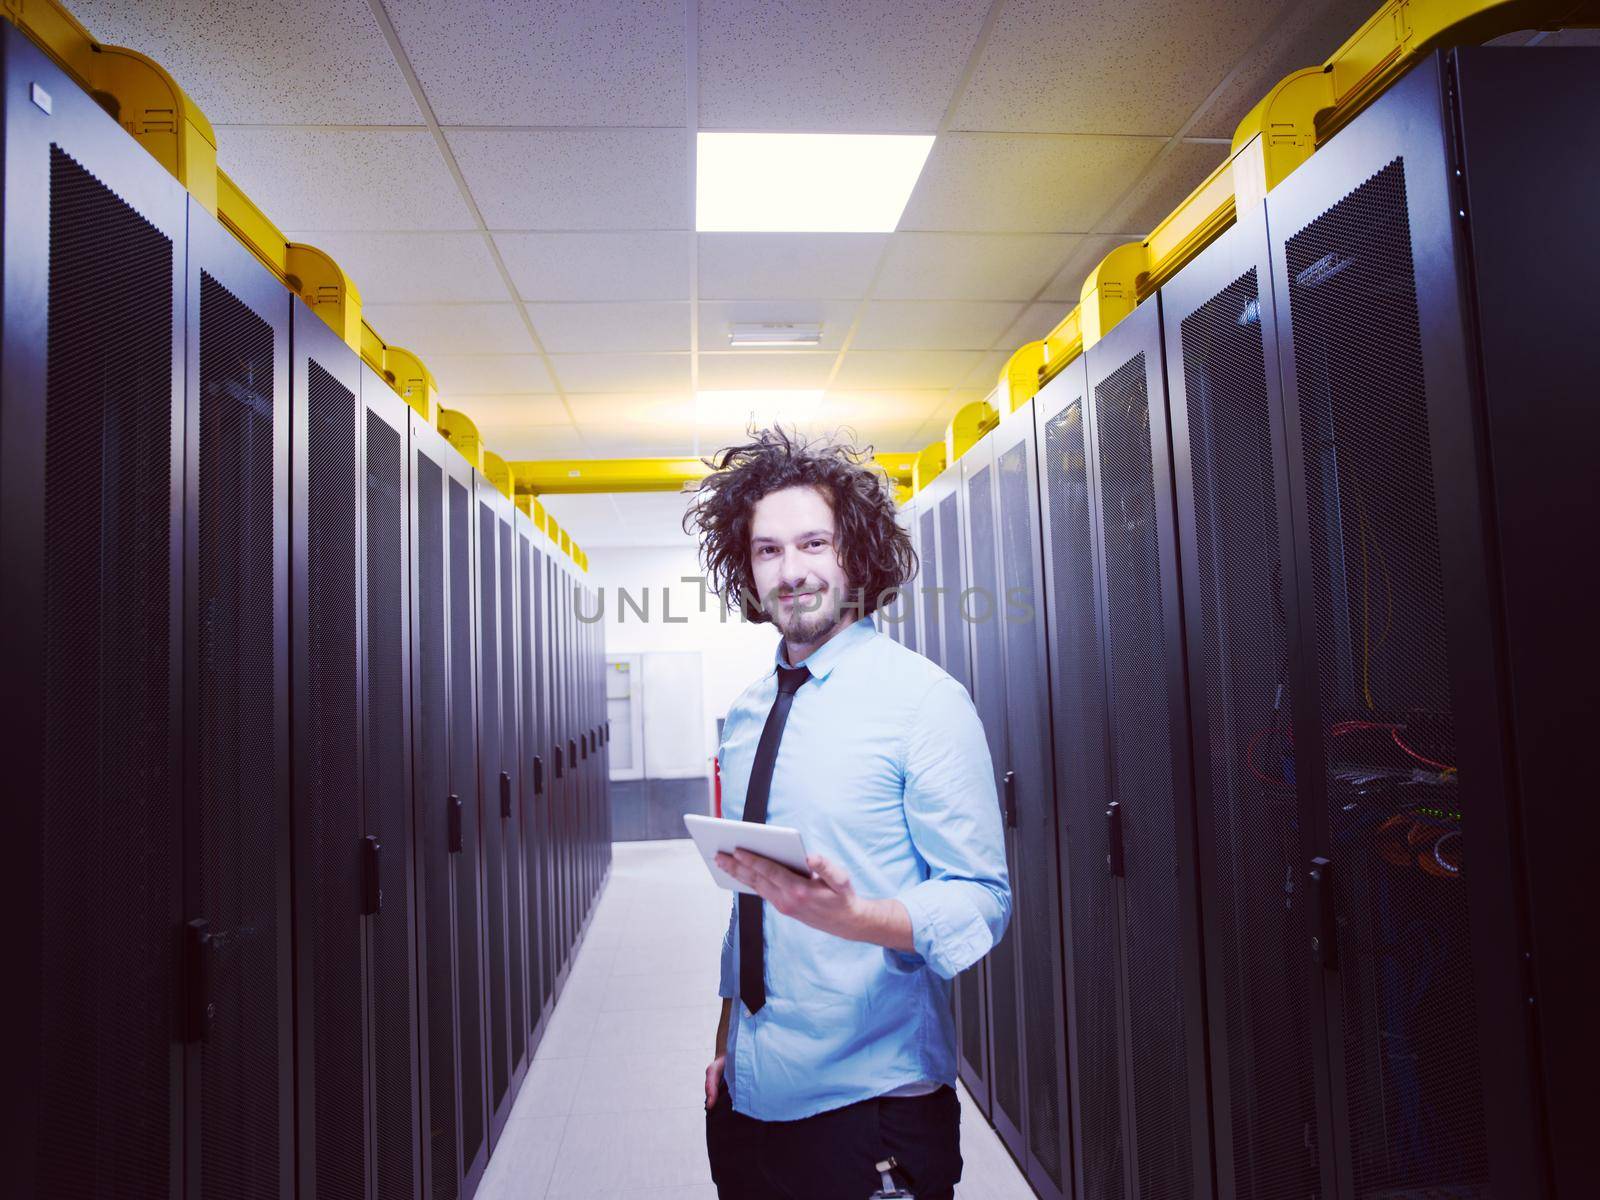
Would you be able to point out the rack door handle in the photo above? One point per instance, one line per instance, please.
(556, 758)
(1010, 789)
(1114, 858)
(505, 795)
(1324, 928)
(371, 876)
(453, 820)
(538, 775)
(198, 1006)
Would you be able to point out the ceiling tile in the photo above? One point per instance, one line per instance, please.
(717, 318)
(293, 62)
(342, 179)
(1066, 287)
(938, 420)
(628, 328)
(489, 374)
(443, 329)
(912, 370)
(781, 266)
(559, 62)
(577, 179)
(985, 373)
(1100, 66)
(1014, 184)
(520, 441)
(933, 324)
(1164, 186)
(1304, 37)
(970, 266)
(886, 419)
(626, 519)
(740, 369)
(863, 66)
(406, 268)
(622, 372)
(1035, 321)
(645, 265)
(621, 411)
(510, 411)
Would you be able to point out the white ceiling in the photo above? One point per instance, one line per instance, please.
(511, 185)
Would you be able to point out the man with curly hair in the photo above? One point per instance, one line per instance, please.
(836, 1047)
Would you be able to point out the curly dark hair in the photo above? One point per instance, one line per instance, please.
(874, 550)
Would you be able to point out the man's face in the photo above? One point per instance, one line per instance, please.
(794, 560)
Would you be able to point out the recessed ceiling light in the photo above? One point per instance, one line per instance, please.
(805, 182)
(775, 333)
(764, 407)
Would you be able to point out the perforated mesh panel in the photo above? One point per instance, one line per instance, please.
(330, 891)
(955, 630)
(1142, 750)
(389, 812)
(983, 607)
(1083, 784)
(494, 925)
(108, 812)
(464, 783)
(548, 927)
(510, 763)
(534, 906)
(431, 742)
(1242, 646)
(1410, 1040)
(932, 602)
(1034, 886)
(239, 806)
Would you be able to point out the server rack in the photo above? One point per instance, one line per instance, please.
(1268, 1062)
(91, 463)
(1028, 801)
(498, 766)
(1089, 889)
(448, 848)
(239, 1112)
(390, 900)
(1004, 1054)
(530, 662)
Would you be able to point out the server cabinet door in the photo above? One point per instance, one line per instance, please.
(943, 498)
(494, 782)
(529, 801)
(928, 592)
(438, 810)
(241, 1079)
(983, 599)
(472, 1036)
(1036, 882)
(91, 469)
(1377, 397)
(509, 802)
(1255, 834)
(390, 901)
(1164, 1077)
(332, 1017)
(912, 610)
(1090, 891)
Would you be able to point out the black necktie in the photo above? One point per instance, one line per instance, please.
(752, 945)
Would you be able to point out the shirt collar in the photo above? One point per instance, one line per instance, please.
(824, 657)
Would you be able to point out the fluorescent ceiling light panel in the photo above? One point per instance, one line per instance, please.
(775, 333)
(761, 406)
(805, 182)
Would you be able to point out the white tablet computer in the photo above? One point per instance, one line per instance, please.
(714, 835)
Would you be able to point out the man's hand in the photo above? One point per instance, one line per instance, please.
(826, 900)
(714, 1079)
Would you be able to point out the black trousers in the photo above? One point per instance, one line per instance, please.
(830, 1156)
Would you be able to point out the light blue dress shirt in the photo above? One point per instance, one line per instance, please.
(884, 770)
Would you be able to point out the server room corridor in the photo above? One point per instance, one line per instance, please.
(612, 1108)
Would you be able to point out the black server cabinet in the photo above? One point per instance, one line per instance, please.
(389, 841)
(944, 605)
(92, 468)
(1028, 801)
(1443, 649)
(982, 599)
(330, 858)
(1090, 889)
(240, 1084)
(927, 585)
(1268, 1057)
(535, 907)
(446, 817)
(498, 767)
(1151, 842)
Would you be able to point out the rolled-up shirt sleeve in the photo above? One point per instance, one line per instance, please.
(960, 911)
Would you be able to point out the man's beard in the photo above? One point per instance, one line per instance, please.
(811, 616)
